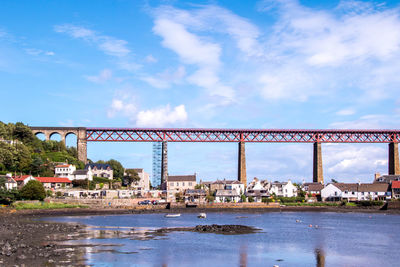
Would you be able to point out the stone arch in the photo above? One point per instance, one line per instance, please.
(71, 133)
(36, 133)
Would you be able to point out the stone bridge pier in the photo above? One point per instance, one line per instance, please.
(79, 132)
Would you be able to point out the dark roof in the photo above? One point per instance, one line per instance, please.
(387, 178)
(257, 193)
(226, 182)
(181, 178)
(195, 192)
(223, 192)
(98, 166)
(346, 187)
(314, 186)
(80, 172)
(375, 187)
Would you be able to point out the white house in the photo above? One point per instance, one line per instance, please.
(375, 191)
(285, 189)
(23, 179)
(258, 189)
(83, 174)
(236, 186)
(54, 182)
(354, 191)
(11, 183)
(227, 185)
(223, 195)
(101, 170)
(144, 182)
(65, 170)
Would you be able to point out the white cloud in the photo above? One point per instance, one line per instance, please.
(109, 45)
(103, 76)
(123, 104)
(195, 50)
(354, 46)
(166, 79)
(38, 52)
(345, 162)
(162, 116)
(346, 112)
(371, 121)
(151, 59)
(188, 46)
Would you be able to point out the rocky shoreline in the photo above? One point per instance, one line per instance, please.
(27, 241)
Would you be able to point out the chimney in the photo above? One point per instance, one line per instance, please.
(377, 175)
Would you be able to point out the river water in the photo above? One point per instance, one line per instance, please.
(285, 239)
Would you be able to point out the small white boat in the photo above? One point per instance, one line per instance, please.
(202, 216)
(172, 215)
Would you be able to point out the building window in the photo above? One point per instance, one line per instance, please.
(190, 183)
(171, 184)
(177, 184)
(346, 192)
(183, 183)
(352, 193)
(335, 193)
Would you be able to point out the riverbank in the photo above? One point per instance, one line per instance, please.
(25, 240)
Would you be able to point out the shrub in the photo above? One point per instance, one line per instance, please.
(251, 199)
(210, 198)
(8, 196)
(368, 203)
(49, 193)
(33, 190)
(243, 198)
(99, 180)
(59, 194)
(291, 199)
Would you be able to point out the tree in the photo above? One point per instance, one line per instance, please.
(117, 168)
(131, 177)
(33, 190)
(8, 196)
(23, 133)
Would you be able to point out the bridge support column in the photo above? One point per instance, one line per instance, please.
(318, 176)
(242, 164)
(81, 145)
(164, 162)
(394, 167)
(47, 136)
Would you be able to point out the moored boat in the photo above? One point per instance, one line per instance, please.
(172, 215)
(202, 216)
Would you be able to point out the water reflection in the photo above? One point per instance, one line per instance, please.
(339, 240)
(243, 256)
(320, 257)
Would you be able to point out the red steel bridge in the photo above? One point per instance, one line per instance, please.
(240, 136)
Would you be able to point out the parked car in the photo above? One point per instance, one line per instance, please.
(162, 201)
(145, 202)
(154, 202)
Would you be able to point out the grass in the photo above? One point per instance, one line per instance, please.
(313, 204)
(45, 205)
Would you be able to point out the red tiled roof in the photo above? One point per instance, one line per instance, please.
(63, 166)
(396, 184)
(21, 177)
(53, 180)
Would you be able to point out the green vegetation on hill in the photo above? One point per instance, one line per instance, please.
(22, 152)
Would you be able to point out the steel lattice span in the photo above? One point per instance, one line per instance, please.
(241, 135)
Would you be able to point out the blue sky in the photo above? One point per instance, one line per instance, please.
(209, 64)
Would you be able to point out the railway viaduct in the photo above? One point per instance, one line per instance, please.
(240, 136)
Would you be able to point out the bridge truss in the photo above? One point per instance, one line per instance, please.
(241, 135)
